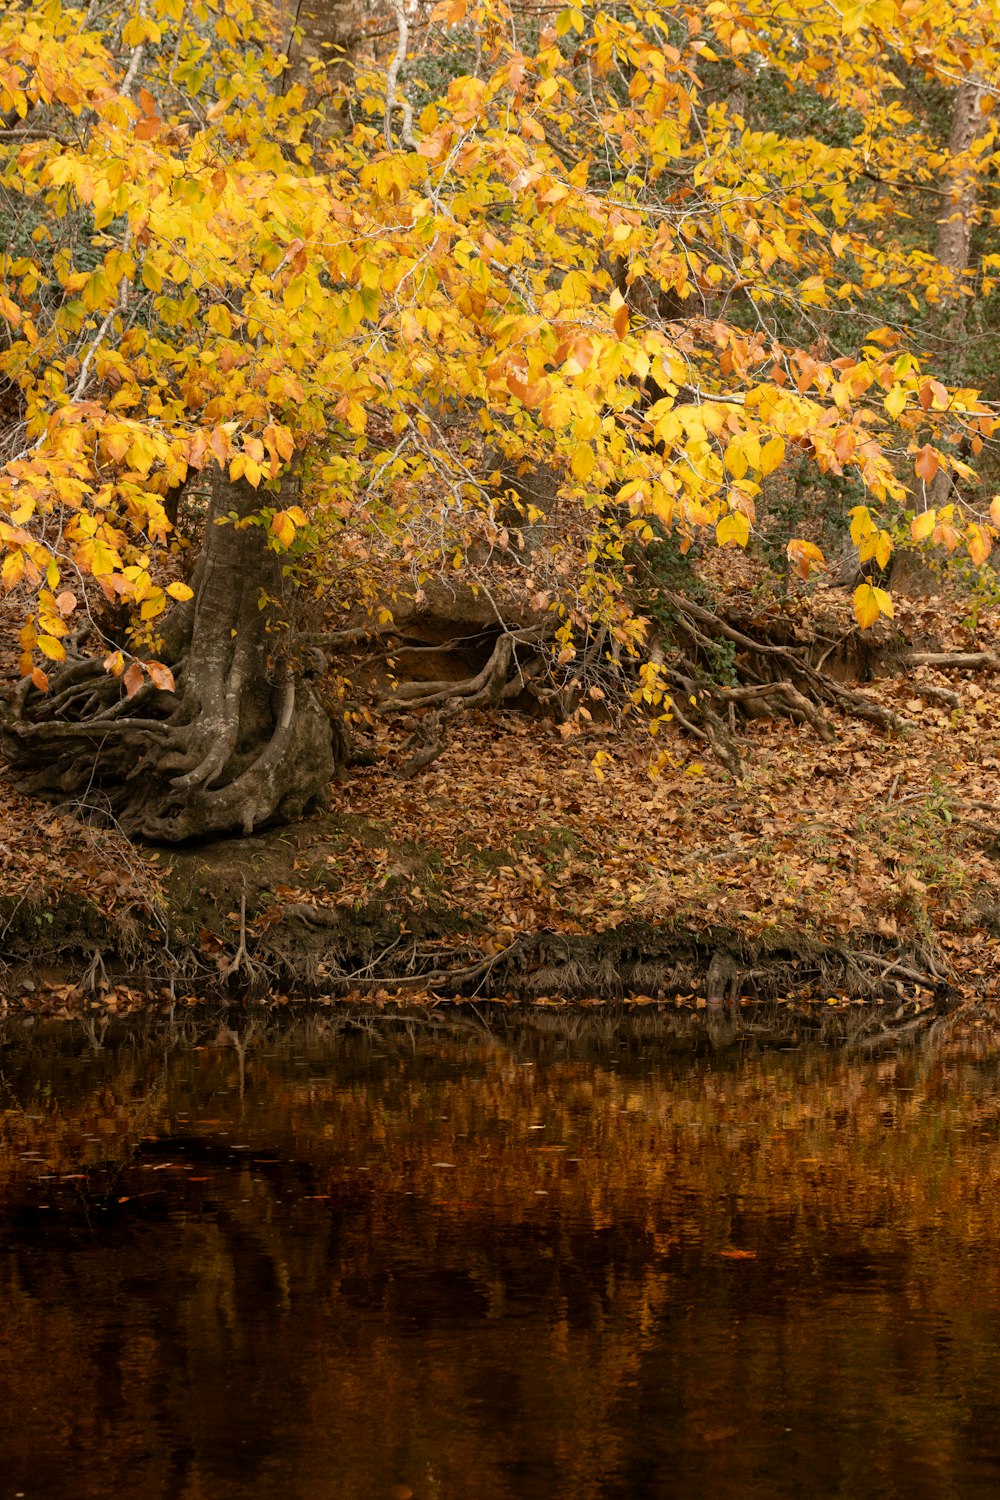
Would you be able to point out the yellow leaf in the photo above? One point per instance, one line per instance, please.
(921, 526)
(600, 760)
(179, 591)
(733, 528)
(866, 610)
(771, 455)
(582, 462)
(117, 441)
(294, 294)
(995, 510)
(735, 460)
(569, 20)
(883, 601)
(862, 524)
(50, 647)
(12, 571)
(895, 401)
(96, 557)
(284, 444)
(142, 453)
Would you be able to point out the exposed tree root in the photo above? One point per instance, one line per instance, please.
(514, 665)
(719, 676)
(316, 947)
(241, 740)
(765, 679)
(955, 661)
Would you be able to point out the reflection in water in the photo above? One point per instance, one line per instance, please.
(439, 1263)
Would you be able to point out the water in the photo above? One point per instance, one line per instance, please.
(433, 1263)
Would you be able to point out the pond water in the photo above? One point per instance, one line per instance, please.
(416, 1260)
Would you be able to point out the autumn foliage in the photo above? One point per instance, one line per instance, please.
(570, 237)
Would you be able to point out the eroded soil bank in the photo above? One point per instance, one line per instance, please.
(264, 919)
(855, 876)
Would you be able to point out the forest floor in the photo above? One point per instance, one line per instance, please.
(826, 876)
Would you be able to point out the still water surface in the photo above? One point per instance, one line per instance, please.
(318, 1265)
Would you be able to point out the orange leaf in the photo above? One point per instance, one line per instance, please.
(133, 680)
(283, 527)
(219, 444)
(160, 676)
(927, 463)
(979, 545)
(804, 556)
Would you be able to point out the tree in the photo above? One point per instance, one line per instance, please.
(560, 239)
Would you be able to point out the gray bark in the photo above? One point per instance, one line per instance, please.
(953, 243)
(242, 742)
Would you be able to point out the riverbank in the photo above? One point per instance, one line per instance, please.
(829, 876)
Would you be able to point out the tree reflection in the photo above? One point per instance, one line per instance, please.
(329, 1263)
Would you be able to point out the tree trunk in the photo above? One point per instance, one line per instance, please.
(243, 740)
(322, 38)
(953, 244)
(953, 241)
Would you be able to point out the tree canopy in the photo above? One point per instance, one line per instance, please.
(665, 251)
